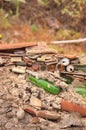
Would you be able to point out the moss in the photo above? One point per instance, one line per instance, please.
(64, 34)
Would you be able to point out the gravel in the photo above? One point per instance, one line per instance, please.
(15, 92)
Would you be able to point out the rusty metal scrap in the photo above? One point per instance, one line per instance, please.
(7, 46)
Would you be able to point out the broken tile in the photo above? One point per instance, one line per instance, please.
(19, 70)
(16, 59)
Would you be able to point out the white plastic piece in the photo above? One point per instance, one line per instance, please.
(70, 68)
(65, 62)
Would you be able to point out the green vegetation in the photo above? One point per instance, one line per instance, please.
(64, 34)
(81, 91)
(4, 19)
(43, 2)
(72, 8)
(16, 3)
(34, 27)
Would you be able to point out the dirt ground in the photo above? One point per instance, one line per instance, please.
(15, 91)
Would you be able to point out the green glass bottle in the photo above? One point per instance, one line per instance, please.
(49, 87)
(81, 91)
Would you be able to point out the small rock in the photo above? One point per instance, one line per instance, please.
(71, 120)
(10, 114)
(16, 59)
(33, 89)
(83, 59)
(1, 101)
(1, 61)
(20, 114)
(2, 111)
(9, 125)
(56, 106)
(20, 70)
(77, 83)
(44, 121)
(35, 94)
(35, 102)
(14, 92)
(35, 120)
(48, 115)
(29, 109)
(26, 119)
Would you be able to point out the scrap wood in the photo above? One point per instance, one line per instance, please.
(80, 67)
(7, 46)
(72, 107)
(3, 54)
(77, 75)
(74, 56)
(57, 76)
(42, 51)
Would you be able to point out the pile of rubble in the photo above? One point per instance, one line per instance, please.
(27, 104)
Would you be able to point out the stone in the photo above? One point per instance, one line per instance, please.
(48, 115)
(3, 120)
(14, 92)
(56, 106)
(19, 70)
(77, 83)
(29, 109)
(10, 114)
(35, 102)
(35, 120)
(83, 59)
(1, 101)
(2, 111)
(9, 125)
(20, 113)
(16, 59)
(71, 120)
(27, 119)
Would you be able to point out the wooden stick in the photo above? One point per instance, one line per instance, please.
(80, 74)
(75, 75)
